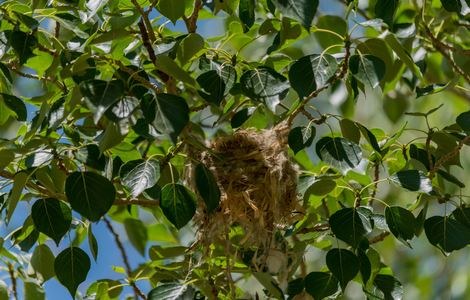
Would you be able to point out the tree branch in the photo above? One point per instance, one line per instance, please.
(14, 288)
(448, 156)
(379, 238)
(191, 21)
(120, 246)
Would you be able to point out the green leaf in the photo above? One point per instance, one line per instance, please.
(89, 194)
(369, 136)
(339, 153)
(91, 156)
(462, 215)
(311, 72)
(343, 264)
(42, 262)
(463, 120)
(33, 291)
(139, 175)
(6, 157)
(172, 115)
(177, 204)
(17, 105)
(19, 182)
(216, 84)
(386, 9)
(56, 114)
(350, 131)
(403, 55)
(71, 268)
(452, 5)
(92, 243)
(100, 95)
(401, 222)
(446, 233)
(321, 187)
(365, 266)
(169, 9)
(265, 85)
(51, 217)
(320, 284)
(413, 180)
(299, 10)
(122, 109)
(241, 116)
(22, 43)
(170, 67)
(330, 23)
(301, 137)
(137, 234)
(368, 69)
(207, 187)
(246, 13)
(350, 226)
(451, 178)
(171, 291)
(390, 287)
(430, 89)
(189, 47)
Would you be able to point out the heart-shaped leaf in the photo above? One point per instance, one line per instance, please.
(89, 194)
(343, 264)
(139, 175)
(71, 268)
(339, 153)
(51, 217)
(177, 204)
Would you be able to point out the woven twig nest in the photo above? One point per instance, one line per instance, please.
(258, 185)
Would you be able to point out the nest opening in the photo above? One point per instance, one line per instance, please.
(258, 185)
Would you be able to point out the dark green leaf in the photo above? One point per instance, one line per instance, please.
(295, 287)
(301, 137)
(246, 13)
(90, 155)
(42, 262)
(51, 217)
(171, 291)
(369, 136)
(446, 233)
(367, 68)
(22, 43)
(401, 223)
(177, 204)
(207, 187)
(320, 284)
(339, 153)
(172, 115)
(299, 10)
(430, 89)
(413, 180)
(321, 187)
(17, 105)
(311, 72)
(365, 266)
(139, 175)
(71, 268)
(350, 131)
(240, 117)
(6, 71)
(452, 5)
(217, 82)
(421, 155)
(385, 10)
(137, 234)
(265, 85)
(89, 194)
(33, 291)
(350, 226)
(92, 243)
(462, 215)
(390, 287)
(100, 95)
(463, 120)
(343, 264)
(451, 178)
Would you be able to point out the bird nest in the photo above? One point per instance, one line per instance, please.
(258, 185)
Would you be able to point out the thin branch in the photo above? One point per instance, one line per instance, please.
(441, 161)
(16, 69)
(146, 21)
(14, 288)
(376, 183)
(136, 289)
(191, 21)
(441, 47)
(379, 238)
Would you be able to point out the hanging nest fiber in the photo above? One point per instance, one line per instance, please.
(258, 185)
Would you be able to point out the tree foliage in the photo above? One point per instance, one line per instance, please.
(127, 114)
